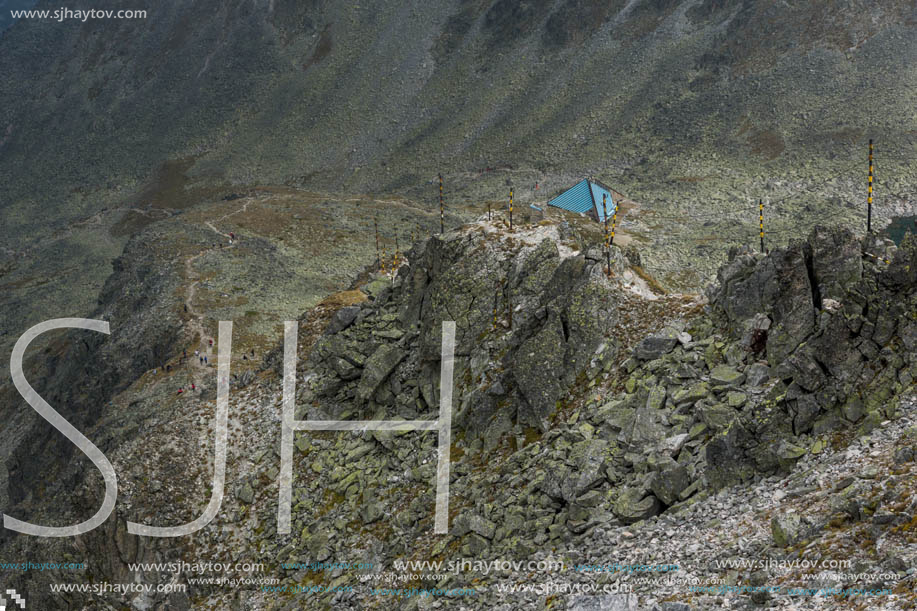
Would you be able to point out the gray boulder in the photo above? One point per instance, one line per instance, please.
(342, 319)
(787, 529)
(668, 484)
(634, 505)
(654, 346)
(378, 367)
(588, 458)
(837, 262)
(471, 522)
(536, 370)
(724, 375)
(757, 374)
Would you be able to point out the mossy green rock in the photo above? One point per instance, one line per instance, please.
(634, 505)
(786, 529)
(691, 394)
(724, 375)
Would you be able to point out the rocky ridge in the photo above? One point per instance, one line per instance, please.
(693, 410)
(593, 421)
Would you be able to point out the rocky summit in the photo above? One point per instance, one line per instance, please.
(598, 425)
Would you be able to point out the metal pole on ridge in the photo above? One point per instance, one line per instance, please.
(511, 208)
(376, 227)
(607, 240)
(869, 193)
(442, 213)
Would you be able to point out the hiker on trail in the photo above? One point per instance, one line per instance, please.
(180, 391)
(184, 354)
(168, 368)
(193, 387)
(211, 343)
(201, 359)
(232, 235)
(205, 360)
(186, 307)
(197, 353)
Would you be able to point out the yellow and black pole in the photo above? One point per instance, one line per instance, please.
(396, 256)
(607, 240)
(761, 222)
(442, 212)
(869, 193)
(511, 208)
(376, 227)
(382, 260)
(614, 222)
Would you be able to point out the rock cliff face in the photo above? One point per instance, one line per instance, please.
(532, 314)
(836, 327)
(81, 371)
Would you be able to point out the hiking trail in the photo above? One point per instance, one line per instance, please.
(196, 323)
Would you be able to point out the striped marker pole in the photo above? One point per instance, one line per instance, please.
(511, 208)
(607, 240)
(614, 222)
(869, 193)
(382, 268)
(442, 212)
(761, 222)
(376, 227)
(488, 211)
(397, 255)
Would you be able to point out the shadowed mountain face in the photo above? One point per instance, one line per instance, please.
(379, 95)
(6, 8)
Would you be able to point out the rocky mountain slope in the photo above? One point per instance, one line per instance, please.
(594, 419)
(597, 417)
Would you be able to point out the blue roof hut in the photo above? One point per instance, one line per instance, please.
(585, 197)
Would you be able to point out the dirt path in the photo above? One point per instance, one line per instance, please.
(207, 342)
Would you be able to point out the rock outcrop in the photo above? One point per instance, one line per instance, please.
(838, 331)
(529, 320)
